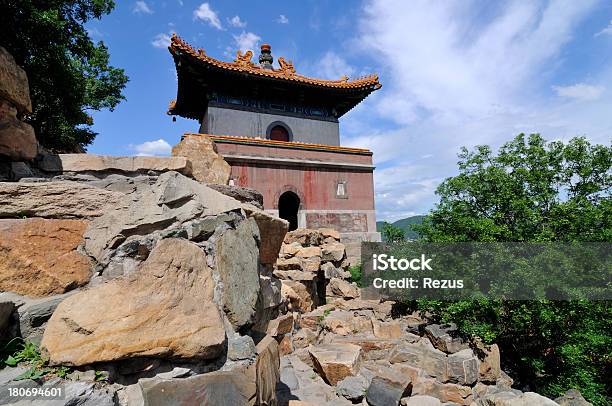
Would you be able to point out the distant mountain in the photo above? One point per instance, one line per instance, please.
(406, 225)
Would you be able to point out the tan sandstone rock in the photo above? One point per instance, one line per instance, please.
(164, 310)
(490, 365)
(14, 85)
(308, 252)
(17, 139)
(108, 163)
(386, 329)
(55, 200)
(333, 251)
(330, 232)
(38, 257)
(334, 362)
(281, 325)
(268, 373)
(299, 294)
(208, 166)
(342, 288)
(445, 392)
(273, 228)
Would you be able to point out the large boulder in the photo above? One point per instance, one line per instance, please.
(173, 200)
(38, 257)
(237, 260)
(90, 163)
(165, 310)
(208, 166)
(55, 200)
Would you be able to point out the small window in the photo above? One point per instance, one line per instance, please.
(341, 191)
(279, 133)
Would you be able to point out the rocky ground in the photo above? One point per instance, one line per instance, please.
(141, 285)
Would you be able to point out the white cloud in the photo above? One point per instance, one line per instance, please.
(141, 7)
(157, 147)
(454, 75)
(206, 14)
(580, 91)
(235, 21)
(161, 40)
(606, 31)
(94, 32)
(282, 19)
(247, 41)
(332, 66)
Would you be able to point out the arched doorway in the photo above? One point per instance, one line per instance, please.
(279, 133)
(288, 206)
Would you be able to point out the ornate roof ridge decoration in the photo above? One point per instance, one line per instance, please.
(243, 63)
(267, 142)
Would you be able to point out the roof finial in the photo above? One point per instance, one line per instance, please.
(265, 58)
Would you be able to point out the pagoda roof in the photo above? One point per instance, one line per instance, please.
(348, 93)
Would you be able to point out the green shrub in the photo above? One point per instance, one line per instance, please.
(533, 191)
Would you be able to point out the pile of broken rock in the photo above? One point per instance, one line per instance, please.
(149, 279)
(312, 267)
(175, 292)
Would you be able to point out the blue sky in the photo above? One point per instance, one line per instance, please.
(454, 73)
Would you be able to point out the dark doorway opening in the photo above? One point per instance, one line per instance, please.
(279, 133)
(288, 206)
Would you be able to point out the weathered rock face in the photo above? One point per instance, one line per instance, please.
(67, 200)
(387, 389)
(90, 163)
(38, 257)
(208, 165)
(334, 362)
(214, 388)
(239, 273)
(268, 364)
(342, 288)
(17, 139)
(242, 194)
(273, 228)
(165, 310)
(172, 200)
(14, 83)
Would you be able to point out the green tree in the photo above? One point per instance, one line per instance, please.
(390, 233)
(533, 191)
(69, 75)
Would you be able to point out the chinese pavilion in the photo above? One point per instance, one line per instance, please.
(279, 132)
